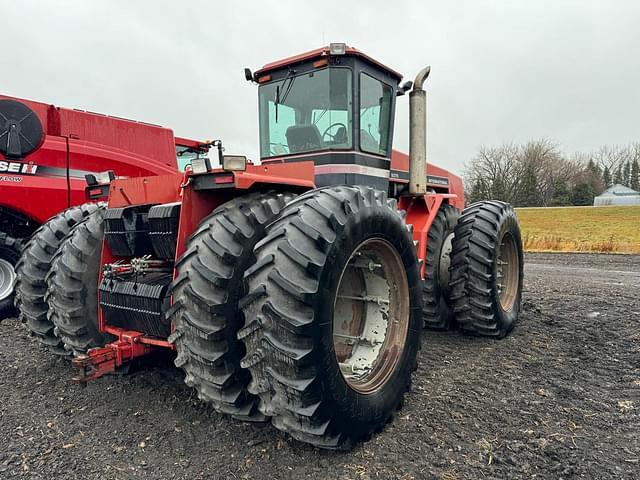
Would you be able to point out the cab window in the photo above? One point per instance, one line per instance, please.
(184, 156)
(306, 113)
(375, 115)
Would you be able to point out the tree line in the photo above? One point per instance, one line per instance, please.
(539, 174)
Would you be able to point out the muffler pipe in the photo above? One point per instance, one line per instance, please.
(418, 135)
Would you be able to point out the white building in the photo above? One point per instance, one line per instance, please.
(617, 195)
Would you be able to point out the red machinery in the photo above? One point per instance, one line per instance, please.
(294, 290)
(46, 152)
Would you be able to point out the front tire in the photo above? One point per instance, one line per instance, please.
(487, 269)
(333, 316)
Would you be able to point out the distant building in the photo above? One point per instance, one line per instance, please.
(617, 195)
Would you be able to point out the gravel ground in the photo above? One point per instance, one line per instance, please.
(559, 398)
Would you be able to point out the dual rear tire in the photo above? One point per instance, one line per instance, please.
(474, 270)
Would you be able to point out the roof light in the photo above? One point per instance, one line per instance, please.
(321, 63)
(337, 48)
(232, 163)
(200, 165)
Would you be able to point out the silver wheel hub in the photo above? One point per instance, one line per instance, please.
(445, 262)
(7, 278)
(370, 316)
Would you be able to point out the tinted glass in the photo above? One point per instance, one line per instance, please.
(184, 157)
(306, 113)
(375, 115)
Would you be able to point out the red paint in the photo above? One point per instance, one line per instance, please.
(103, 360)
(84, 141)
(421, 211)
(320, 53)
(224, 179)
(400, 163)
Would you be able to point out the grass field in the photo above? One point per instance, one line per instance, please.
(581, 229)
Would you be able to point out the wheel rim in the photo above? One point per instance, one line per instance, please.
(371, 315)
(445, 263)
(508, 272)
(7, 278)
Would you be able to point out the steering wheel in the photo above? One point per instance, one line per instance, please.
(326, 132)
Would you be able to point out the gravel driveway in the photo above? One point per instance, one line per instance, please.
(559, 398)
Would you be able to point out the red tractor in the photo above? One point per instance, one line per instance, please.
(296, 290)
(46, 152)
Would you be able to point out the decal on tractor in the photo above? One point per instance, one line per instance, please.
(16, 167)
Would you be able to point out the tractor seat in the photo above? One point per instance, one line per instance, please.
(302, 138)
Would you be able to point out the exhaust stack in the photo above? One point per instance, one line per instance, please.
(418, 135)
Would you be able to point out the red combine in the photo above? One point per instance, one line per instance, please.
(294, 291)
(46, 153)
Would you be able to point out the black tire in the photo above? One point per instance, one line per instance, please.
(32, 269)
(289, 311)
(72, 286)
(10, 249)
(436, 302)
(205, 313)
(475, 269)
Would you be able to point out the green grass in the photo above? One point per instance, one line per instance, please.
(582, 229)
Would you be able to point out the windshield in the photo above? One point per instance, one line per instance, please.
(306, 113)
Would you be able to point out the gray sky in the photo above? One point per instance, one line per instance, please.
(501, 70)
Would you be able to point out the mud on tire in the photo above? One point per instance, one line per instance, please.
(10, 249)
(32, 268)
(72, 286)
(205, 314)
(436, 309)
(290, 336)
(487, 269)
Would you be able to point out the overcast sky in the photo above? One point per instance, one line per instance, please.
(501, 70)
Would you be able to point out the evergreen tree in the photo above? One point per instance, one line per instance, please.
(561, 194)
(594, 169)
(635, 176)
(606, 177)
(528, 192)
(477, 192)
(582, 195)
(499, 190)
(626, 174)
(617, 179)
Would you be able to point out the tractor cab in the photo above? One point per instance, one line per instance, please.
(333, 105)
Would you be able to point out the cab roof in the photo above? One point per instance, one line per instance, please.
(323, 52)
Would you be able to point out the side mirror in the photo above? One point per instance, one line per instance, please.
(404, 88)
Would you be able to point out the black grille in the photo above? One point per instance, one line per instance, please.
(127, 231)
(163, 229)
(137, 305)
